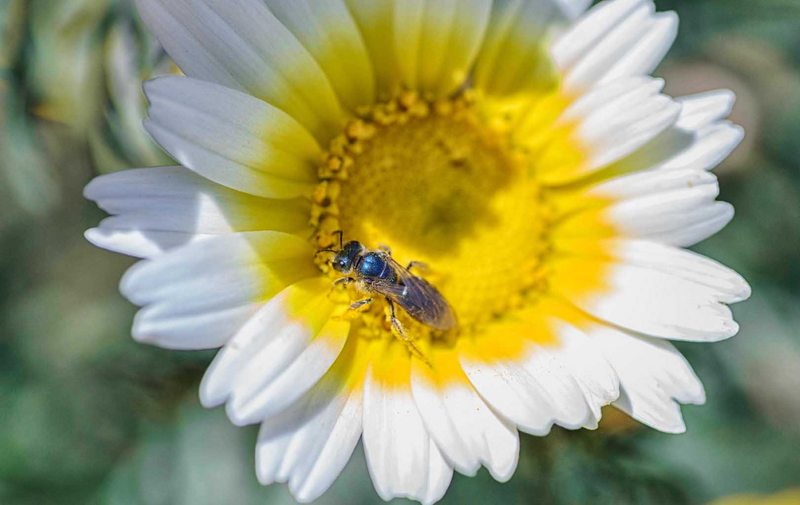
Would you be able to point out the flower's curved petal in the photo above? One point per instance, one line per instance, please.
(686, 232)
(653, 377)
(515, 56)
(329, 33)
(575, 8)
(610, 122)
(579, 356)
(568, 406)
(704, 109)
(375, 21)
(674, 207)
(700, 139)
(284, 369)
(710, 146)
(512, 392)
(672, 217)
(293, 316)
(651, 182)
(617, 39)
(553, 376)
(655, 290)
(730, 287)
(197, 295)
(590, 29)
(309, 444)
(403, 460)
(423, 45)
(466, 430)
(231, 138)
(436, 42)
(278, 354)
(244, 46)
(156, 209)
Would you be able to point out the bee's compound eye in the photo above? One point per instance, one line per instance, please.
(341, 263)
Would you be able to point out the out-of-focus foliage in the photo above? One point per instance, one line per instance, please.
(89, 417)
(790, 497)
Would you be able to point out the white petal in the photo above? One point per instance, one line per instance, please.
(652, 374)
(271, 382)
(653, 182)
(568, 406)
(436, 42)
(198, 295)
(465, 428)
(329, 33)
(309, 444)
(699, 140)
(688, 231)
(375, 20)
(565, 383)
(574, 8)
(660, 304)
(231, 138)
(705, 108)
(612, 122)
(290, 318)
(614, 97)
(590, 29)
(243, 46)
(678, 217)
(513, 393)
(616, 40)
(138, 243)
(403, 461)
(537, 389)
(711, 146)
(155, 209)
(648, 51)
(615, 132)
(515, 53)
(439, 476)
(584, 360)
(729, 286)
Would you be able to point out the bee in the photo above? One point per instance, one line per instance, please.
(376, 273)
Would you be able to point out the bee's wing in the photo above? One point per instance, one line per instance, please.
(421, 300)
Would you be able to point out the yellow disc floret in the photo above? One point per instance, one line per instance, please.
(442, 183)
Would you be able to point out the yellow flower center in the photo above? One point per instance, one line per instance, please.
(442, 184)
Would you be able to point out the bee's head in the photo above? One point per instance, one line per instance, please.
(345, 259)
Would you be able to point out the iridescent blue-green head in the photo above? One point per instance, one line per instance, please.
(345, 259)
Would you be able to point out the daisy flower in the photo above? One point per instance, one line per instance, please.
(518, 148)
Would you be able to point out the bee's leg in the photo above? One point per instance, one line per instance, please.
(360, 303)
(343, 280)
(416, 264)
(405, 338)
(396, 322)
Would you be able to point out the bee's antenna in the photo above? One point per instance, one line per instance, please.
(341, 238)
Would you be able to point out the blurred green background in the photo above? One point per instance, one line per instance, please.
(87, 416)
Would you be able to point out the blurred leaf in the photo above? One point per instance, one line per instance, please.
(27, 185)
(11, 27)
(198, 458)
(66, 59)
(789, 497)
